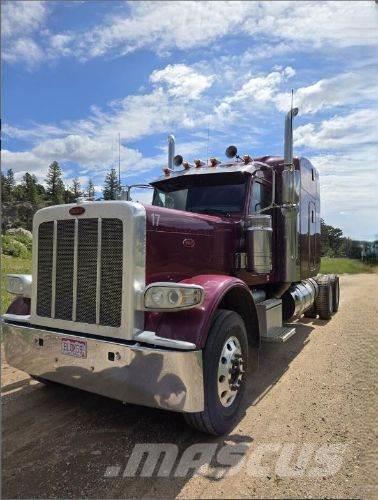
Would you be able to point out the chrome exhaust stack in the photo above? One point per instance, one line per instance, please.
(290, 200)
(171, 150)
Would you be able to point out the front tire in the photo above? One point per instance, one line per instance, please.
(225, 359)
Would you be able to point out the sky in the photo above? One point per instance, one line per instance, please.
(76, 74)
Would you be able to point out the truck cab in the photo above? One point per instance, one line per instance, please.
(166, 305)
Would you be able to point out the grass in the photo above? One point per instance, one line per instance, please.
(343, 265)
(11, 265)
(23, 266)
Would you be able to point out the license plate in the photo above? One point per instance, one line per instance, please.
(76, 348)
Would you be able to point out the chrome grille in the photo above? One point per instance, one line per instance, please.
(80, 268)
(64, 268)
(45, 265)
(111, 276)
(87, 271)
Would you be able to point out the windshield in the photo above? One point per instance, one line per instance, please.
(204, 193)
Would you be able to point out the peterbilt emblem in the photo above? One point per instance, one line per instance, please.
(189, 243)
(77, 210)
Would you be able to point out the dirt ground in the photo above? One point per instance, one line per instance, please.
(315, 391)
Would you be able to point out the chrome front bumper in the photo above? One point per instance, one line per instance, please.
(162, 378)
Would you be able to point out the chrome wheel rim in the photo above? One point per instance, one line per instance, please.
(230, 371)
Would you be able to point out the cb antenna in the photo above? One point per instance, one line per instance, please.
(208, 138)
(119, 159)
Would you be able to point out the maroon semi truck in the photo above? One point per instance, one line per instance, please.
(166, 305)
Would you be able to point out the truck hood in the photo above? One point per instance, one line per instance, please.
(184, 244)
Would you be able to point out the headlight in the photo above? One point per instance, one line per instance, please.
(170, 297)
(19, 284)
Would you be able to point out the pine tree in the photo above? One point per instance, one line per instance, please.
(111, 187)
(90, 189)
(55, 187)
(76, 188)
(8, 185)
(30, 189)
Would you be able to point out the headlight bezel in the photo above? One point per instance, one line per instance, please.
(174, 297)
(19, 284)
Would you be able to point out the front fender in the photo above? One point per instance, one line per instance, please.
(193, 325)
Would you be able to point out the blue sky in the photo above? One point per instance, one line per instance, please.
(75, 74)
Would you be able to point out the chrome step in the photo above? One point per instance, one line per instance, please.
(278, 334)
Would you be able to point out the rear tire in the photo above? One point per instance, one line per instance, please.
(324, 300)
(335, 282)
(226, 351)
(310, 313)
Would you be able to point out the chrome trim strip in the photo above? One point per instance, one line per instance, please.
(19, 318)
(168, 379)
(74, 285)
(98, 275)
(53, 272)
(152, 338)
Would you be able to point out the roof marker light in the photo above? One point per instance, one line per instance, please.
(186, 165)
(167, 171)
(199, 163)
(247, 159)
(214, 162)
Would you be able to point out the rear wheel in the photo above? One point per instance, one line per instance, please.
(335, 283)
(310, 313)
(225, 360)
(324, 300)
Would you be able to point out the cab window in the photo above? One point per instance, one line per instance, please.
(260, 196)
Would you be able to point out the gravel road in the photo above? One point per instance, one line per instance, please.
(313, 395)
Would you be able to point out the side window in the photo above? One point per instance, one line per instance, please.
(260, 197)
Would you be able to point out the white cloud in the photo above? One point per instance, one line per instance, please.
(21, 18)
(92, 154)
(182, 81)
(258, 89)
(23, 49)
(163, 26)
(348, 192)
(354, 129)
(346, 88)
(341, 24)
(19, 22)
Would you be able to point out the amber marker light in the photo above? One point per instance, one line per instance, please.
(199, 163)
(214, 162)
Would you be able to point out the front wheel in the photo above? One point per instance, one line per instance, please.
(225, 359)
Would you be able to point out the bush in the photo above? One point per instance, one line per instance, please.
(22, 235)
(11, 246)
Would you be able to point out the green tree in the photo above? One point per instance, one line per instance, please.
(8, 185)
(55, 187)
(111, 187)
(76, 188)
(30, 191)
(90, 189)
(333, 243)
